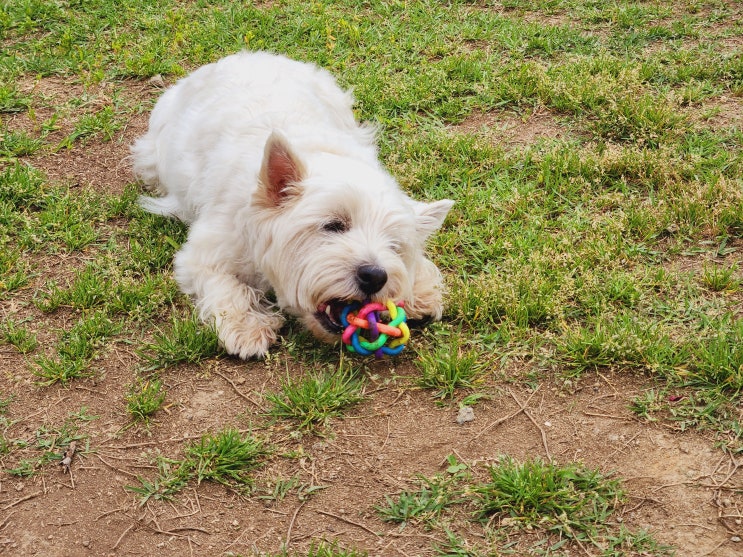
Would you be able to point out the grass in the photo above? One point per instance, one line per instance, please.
(29, 456)
(313, 399)
(448, 366)
(14, 333)
(145, 397)
(535, 492)
(226, 458)
(422, 505)
(595, 153)
(560, 506)
(323, 549)
(186, 341)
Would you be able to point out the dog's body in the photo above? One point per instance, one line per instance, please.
(283, 192)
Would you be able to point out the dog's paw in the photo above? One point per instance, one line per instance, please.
(249, 337)
(423, 312)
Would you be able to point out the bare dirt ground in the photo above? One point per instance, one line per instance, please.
(679, 484)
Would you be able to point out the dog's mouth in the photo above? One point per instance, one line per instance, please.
(328, 314)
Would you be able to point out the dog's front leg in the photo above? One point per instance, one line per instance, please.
(206, 269)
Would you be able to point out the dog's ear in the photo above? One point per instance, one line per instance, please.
(280, 171)
(430, 216)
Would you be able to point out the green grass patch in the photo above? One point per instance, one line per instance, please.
(227, 458)
(560, 506)
(187, 340)
(144, 398)
(322, 548)
(447, 364)
(316, 397)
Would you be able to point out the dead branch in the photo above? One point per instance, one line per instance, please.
(124, 533)
(21, 500)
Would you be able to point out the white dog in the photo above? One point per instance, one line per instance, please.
(283, 192)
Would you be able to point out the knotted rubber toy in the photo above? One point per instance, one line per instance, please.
(359, 320)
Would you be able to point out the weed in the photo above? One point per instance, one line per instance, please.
(75, 349)
(423, 505)
(627, 542)
(11, 100)
(5, 404)
(187, 341)
(570, 498)
(172, 476)
(102, 123)
(323, 549)
(50, 442)
(225, 458)
(719, 360)
(456, 547)
(719, 279)
(448, 365)
(646, 404)
(24, 340)
(313, 399)
(145, 397)
(18, 144)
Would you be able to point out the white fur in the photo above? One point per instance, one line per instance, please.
(257, 153)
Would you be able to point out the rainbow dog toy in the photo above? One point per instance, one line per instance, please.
(356, 319)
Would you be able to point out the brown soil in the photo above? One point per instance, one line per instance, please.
(680, 486)
(511, 130)
(678, 483)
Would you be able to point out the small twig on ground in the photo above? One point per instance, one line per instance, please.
(526, 412)
(351, 522)
(386, 439)
(714, 549)
(643, 500)
(597, 415)
(624, 446)
(67, 461)
(4, 523)
(21, 500)
(658, 488)
(114, 467)
(97, 518)
(613, 388)
(234, 387)
(124, 533)
(504, 419)
(193, 528)
(291, 525)
(695, 526)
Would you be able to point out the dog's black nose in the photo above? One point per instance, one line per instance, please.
(371, 278)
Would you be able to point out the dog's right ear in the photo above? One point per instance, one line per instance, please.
(280, 172)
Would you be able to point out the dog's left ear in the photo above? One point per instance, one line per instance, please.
(281, 171)
(430, 216)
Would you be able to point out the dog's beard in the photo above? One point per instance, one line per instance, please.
(318, 299)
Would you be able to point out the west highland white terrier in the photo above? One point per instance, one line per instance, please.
(283, 191)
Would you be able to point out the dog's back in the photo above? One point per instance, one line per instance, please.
(224, 112)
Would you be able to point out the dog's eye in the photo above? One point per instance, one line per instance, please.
(335, 226)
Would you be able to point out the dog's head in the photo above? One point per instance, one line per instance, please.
(330, 229)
